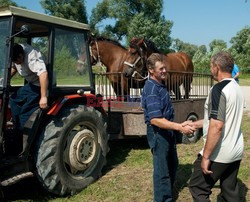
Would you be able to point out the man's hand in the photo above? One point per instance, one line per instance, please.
(205, 164)
(189, 122)
(187, 128)
(43, 103)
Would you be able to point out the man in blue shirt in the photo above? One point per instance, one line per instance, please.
(236, 73)
(159, 114)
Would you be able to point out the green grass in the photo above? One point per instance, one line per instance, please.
(244, 81)
(128, 175)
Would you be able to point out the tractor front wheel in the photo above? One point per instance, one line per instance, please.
(72, 150)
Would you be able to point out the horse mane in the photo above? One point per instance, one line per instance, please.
(101, 38)
(150, 44)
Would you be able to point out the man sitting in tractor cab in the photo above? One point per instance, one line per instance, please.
(30, 64)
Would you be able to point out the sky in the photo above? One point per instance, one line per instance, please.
(195, 21)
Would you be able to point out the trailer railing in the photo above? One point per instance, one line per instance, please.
(114, 86)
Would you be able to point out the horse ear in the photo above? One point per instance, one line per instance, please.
(133, 42)
(90, 36)
(140, 42)
(131, 50)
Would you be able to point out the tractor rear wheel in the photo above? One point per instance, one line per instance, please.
(72, 150)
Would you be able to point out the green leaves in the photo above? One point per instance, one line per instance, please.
(68, 9)
(133, 18)
(7, 3)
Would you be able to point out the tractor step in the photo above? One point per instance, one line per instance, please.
(16, 178)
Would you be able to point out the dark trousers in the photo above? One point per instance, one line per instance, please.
(23, 103)
(165, 162)
(200, 185)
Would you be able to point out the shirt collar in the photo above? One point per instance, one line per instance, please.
(157, 83)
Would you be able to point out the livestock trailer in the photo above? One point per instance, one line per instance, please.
(125, 114)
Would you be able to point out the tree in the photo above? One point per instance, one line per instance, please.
(203, 49)
(217, 43)
(133, 18)
(201, 61)
(68, 9)
(188, 48)
(240, 49)
(239, 41)
(7, 3)
(157, 32)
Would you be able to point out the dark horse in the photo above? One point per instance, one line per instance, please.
(112, 55)
(178, 65)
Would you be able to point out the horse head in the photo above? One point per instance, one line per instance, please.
(93, 49)
(137, 69)
(143, 48)
(82, 56)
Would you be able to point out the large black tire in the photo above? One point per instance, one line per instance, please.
(72, 150)
(192, 138)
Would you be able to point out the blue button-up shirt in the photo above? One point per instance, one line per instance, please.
(156, 102)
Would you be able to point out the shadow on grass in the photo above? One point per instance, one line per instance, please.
(182, 177)
(30, 189)
(243, 192)
(119, 150)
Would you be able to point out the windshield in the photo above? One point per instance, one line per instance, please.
(4, 33)
(71, 65)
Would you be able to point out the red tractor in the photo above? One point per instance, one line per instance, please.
(66, 145)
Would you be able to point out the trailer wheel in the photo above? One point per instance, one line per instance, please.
(192, 138)
(72, 150)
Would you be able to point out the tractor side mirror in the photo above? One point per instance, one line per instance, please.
(25, 29)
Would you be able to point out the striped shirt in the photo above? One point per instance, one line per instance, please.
(156, 102)
(225, 103)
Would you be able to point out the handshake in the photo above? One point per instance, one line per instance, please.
(189, 127)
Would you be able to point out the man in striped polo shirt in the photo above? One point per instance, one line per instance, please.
(223, 140)
(159, 114)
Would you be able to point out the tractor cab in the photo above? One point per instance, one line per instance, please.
(67, 139)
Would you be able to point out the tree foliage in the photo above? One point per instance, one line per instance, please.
(7, 3)
(133, 18)
(188, 48)
(217, 44)
(240, 49)
(239, 41)
(68, 9)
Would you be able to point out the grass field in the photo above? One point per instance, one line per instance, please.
(245, 81)
(128, 175)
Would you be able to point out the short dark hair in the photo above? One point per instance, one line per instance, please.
(153, 58)
(17, 50)
(224, 60)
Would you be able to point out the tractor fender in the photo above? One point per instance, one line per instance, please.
(88, 99)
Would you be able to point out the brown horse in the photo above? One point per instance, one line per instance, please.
(178, 65)
(112, 55)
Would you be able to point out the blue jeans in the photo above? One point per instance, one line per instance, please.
(165, 162)
(23, 103)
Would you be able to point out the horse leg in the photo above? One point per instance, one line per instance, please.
(121, 90)
(177, 92)
(175, 83)
(187, 86)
